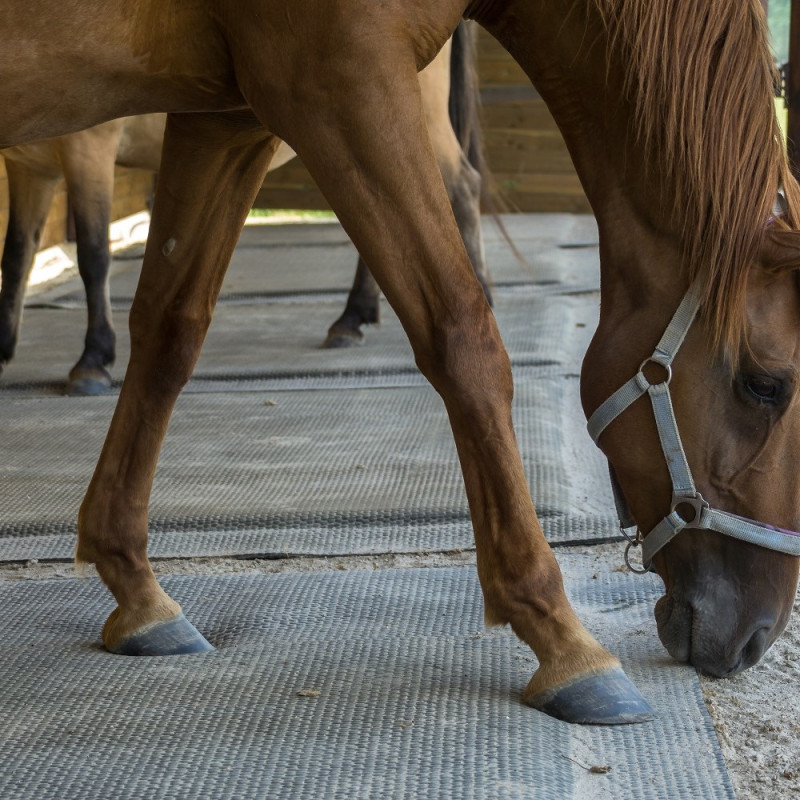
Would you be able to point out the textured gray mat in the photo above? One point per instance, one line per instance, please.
(371, 470)
(286, 259)
(277, 303)
(415, 699)
(277, 343)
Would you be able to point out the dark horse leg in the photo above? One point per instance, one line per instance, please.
(213, 166)
(30, 192)
(87, 160)
(449, 97)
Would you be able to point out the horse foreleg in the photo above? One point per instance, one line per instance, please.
(87, 160)
(392, 202)
(213, 166)
(30, 192)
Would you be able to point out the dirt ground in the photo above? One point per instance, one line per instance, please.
(755, 714)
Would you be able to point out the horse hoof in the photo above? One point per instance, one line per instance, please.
(343, 338)
(604, 698)
(172, 637)
(88, 385)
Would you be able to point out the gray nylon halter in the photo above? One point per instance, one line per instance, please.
(686, 500)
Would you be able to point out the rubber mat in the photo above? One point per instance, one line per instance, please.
(287, 259)
(334, 685)
(369, 470)
(276, 343)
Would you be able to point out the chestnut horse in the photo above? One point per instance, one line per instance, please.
(86, 159)
(668, 113)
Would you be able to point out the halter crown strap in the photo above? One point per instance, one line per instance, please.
(689, 509)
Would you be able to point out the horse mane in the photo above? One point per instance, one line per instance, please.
(701, 78)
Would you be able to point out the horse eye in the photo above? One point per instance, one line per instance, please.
(763, 388)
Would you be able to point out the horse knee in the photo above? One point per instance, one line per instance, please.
(168, 346)
(465, 360)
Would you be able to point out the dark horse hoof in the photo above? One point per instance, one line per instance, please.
(172, 637)
(87, 383)
(603, 698)
(343, 337)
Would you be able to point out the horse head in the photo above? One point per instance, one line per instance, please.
(729, 582)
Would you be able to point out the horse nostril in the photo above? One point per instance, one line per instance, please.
(754, 648)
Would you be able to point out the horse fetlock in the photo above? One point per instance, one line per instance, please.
(8, 339)
(539, 613)
(114, 548)
(100, 348)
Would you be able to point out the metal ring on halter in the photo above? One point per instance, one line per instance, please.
(698, 505)
(667, 367)
(644, 569)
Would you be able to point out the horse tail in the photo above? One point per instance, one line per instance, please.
(465, 102)
(465, 116)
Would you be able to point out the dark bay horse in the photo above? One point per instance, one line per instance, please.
(86, 160)
(667, 110)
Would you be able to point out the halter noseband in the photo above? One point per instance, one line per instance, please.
(689, 509)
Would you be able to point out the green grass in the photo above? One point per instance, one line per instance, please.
(298, 214)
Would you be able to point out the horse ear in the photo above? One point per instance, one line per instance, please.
(780, 250)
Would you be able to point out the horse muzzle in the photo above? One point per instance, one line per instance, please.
(712, 633)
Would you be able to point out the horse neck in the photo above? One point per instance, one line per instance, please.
(564, 53)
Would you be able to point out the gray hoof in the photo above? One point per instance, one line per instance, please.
(604, 698)
(88, 383)
(86, 387)
(343, 338)
(172, 637)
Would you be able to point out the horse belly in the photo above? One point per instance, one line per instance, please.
(67, 66)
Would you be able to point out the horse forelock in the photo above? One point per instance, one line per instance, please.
(701, 78)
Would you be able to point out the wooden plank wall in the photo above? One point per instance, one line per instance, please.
(530, 164)
(527, 157)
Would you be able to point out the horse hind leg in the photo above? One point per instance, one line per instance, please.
(396, 210)
(449, 93)
(463, 184)
(30, 192)
(87, 160)
(212, 168)
(362, 308)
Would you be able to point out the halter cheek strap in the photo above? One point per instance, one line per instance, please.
(688, 509)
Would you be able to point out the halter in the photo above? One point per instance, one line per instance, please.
(689, 510)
